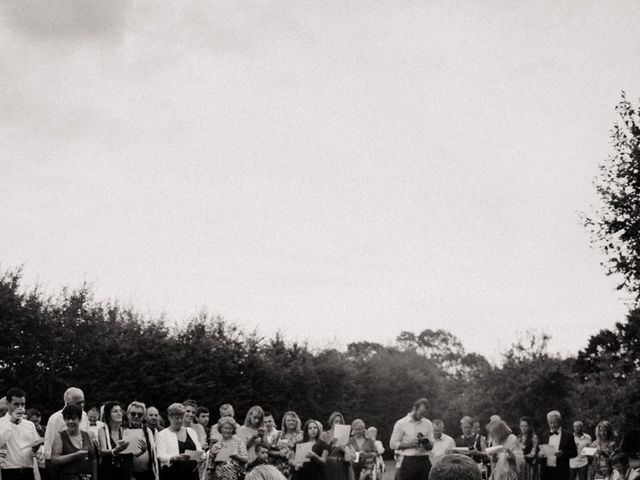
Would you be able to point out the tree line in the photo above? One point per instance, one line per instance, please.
(49, 343)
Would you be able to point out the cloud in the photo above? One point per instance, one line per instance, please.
(66, 19)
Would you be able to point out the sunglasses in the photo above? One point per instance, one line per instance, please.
(136, 414)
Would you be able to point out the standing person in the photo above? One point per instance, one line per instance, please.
(579, 466)
(337, 466)
(153, 419)
(231, 468)
(226, 410)
(35, 417)
(56, 424)
(365, 447)
(290, 434)
(202, 420)
(442, 443)
(556, 467)
(620, 463)
(252, 431)
(73, 452)
(605, 444)
(145, 465)
(19, 438)
(93, 417)
(171, 445)
(529, 444)
(472, 439)
(314, 468)
(413, 437)
(509, 459)
(271, 433)
(114, 464)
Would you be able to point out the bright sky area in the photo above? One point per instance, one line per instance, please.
(334, 170)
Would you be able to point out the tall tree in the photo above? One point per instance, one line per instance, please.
(615, 224)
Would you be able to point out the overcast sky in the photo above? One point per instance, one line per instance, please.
(335, 170)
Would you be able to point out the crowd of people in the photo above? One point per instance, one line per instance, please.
(112, 442)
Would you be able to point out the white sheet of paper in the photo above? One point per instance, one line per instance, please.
(492, 450)
(301, 452)
(133, 436)
(194, 454)
(588, 451)
(341, 433)
(225, 453)
(549, 451)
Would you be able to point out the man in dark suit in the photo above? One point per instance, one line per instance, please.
(555, 466)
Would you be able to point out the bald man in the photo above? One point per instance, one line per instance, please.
(55, 425)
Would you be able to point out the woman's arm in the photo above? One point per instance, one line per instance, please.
(320, 459)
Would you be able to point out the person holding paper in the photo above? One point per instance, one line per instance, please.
(579, 466)
(229, 454)
(338, 465)
(508, 453)
(115, 464)
(413, 437)
(178, 448)
(73, 452)
(558, 448)
(145, 463)
(312, 466)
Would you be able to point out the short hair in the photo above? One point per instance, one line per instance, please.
(190, 403)
(554, 414)
(293, 415)
(258, 446)
(372, 429)
(226, 421)
(265, 472)
(437, 422)
(620, 459)
(305, 429)
(578, 422)
(137, 404)
(466, 419)
(421, 402)
(94, 407)
(267, 414)
(175, 410)
(225, 406)
(71, 392)
(33, 412)
(71, 411)
(15, 393)
(455, 467)
(356, 422)
(201, 410)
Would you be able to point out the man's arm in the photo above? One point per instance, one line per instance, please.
(49, 436)
(396, 437)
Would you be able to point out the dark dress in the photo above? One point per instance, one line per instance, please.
(182, 470)
(312, 470)
(74, 470)
(116, 467)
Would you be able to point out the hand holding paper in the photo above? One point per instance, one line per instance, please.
(302, 451)
(341, 434)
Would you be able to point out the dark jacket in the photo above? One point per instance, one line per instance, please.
(568, 449)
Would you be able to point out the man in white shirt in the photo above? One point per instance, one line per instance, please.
(579, 465)
(413, 436)
(442, 443)
(20, 438)
(55, 424)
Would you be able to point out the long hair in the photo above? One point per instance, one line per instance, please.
(257, 409)
(608, 428)
(107, 407)
(498, 430)
(305, 429)
(333, 417)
